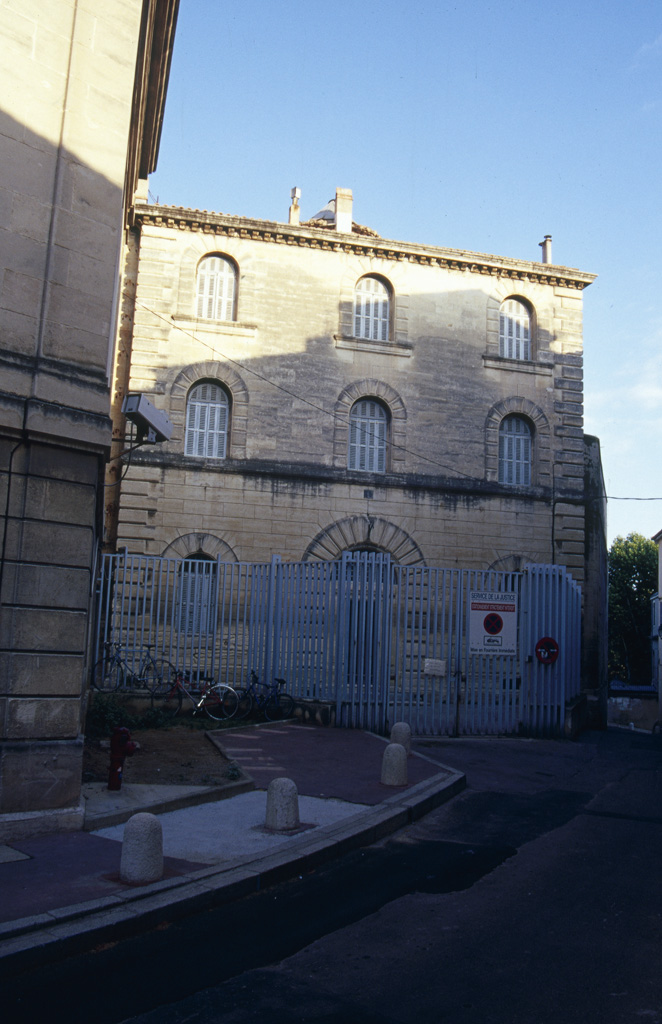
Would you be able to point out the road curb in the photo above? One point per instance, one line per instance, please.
(45, 938)
(190, 797)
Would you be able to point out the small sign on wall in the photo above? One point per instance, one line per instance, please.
(492, 622)
(547, 650)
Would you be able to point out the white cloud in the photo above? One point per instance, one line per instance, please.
(646, 51)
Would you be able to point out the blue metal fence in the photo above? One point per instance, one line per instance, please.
(381, 642)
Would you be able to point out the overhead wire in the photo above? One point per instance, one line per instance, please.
(293, 394)
(326, 412)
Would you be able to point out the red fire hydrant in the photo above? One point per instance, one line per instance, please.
(121, 746)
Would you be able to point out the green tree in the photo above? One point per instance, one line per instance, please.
(632, 582)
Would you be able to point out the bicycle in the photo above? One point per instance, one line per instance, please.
(219, 700)
(266, 697)
(112, 672)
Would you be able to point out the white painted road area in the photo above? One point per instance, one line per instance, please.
(233, 829)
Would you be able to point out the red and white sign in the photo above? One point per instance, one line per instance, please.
(492, 622)
(547, 650)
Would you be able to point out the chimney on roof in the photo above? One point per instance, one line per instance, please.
(141, 194)
(295, 209)
(344, 210)
(546, 247)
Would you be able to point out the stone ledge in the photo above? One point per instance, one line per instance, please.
(24, 824)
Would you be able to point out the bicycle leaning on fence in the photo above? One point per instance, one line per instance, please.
(218, 699)
(266, 697)
(113, 672)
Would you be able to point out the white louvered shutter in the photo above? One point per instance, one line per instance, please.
(515, 452)
(206, 422)
(198, 596)
(371, 310)
(514, 330)
(367, 437)
(216, 289)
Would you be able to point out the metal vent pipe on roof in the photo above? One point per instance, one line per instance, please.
(546, 246)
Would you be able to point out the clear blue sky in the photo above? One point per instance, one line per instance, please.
(475, 125)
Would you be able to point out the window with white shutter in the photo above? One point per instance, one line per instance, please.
(371, 309)
(207, 414)
(197, 599)
(216, 288)
(514, 330)
(515, 451)
(368, 425)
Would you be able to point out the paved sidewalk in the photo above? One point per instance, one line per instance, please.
(61, 893)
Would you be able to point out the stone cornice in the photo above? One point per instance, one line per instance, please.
(78, 374)
(314, 475)
(182, 219)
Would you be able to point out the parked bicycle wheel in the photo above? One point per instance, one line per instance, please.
(220, 701)
(244, 705)
(170, 703)
(107, 675)
(160, 677)
(278, 707)
(166, 689)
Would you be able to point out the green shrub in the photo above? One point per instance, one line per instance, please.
(106, 711)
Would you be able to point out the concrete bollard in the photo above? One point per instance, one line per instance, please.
(401, 733)
(394, 765)
(142, 850)
(282, 806)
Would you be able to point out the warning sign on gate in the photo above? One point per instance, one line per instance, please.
(547, 650)
(492, 622)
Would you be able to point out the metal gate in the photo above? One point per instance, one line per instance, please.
(380, 642)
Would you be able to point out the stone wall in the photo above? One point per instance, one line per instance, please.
(293, 369)
(69, 84)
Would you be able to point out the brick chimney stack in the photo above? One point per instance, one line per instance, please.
(344, 210)
(295, 209)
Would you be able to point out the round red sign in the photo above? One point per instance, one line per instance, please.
(493, 624)
(547, 650)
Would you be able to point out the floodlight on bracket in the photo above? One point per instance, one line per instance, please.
(152, 425)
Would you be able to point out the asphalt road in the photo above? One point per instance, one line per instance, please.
(535, 896)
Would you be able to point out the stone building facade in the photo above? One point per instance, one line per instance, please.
(82, 103)
(332, 390)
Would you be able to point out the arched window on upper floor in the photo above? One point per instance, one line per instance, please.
(514, 330)
(372, 309)
(515, 451)
(216, 288)
(207, 421)
(368, 429)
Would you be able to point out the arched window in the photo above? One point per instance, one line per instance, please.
(207, 415)
(371, 309)
(515, 451)
(368, 426)
(514, 330)
(216, 288)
